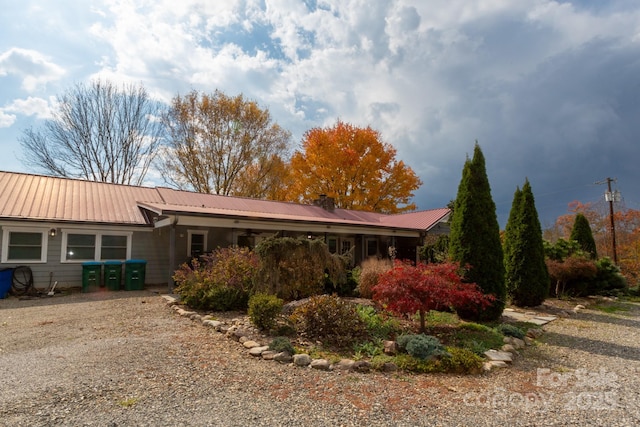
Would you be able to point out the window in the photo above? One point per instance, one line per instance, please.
(332, 244)
(372, 247)
(24, 245)
(197, 243)
(80, 245)
(114, 247)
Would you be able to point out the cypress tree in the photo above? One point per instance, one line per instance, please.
(475, 237)
(581, 233)
(527, 277)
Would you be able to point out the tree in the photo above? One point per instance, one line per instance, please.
(407, 289)
(353, 166)
(527, 278)
(475, 237)
(223, 145)
(581, 233)
(98, 132)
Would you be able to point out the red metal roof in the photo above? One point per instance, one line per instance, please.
(26, 196)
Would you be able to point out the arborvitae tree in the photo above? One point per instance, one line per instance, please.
(581, 233)
(527, 277)
(475, 237)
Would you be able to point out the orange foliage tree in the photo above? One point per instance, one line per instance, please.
(627, 223)
(353, 166)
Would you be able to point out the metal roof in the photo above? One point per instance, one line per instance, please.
(36, 197)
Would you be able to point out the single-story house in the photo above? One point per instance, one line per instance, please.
(53, 225)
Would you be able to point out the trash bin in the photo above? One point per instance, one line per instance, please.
(134, 272)
(91, 275)
(6, 280)
(112, 275)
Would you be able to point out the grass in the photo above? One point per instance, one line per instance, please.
(610, 308)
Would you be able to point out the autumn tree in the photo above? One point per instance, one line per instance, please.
(223, 145)
(474, 240)
(353, 166)
(581, 233)
(98, 132)
(527, 277)
(408, 289)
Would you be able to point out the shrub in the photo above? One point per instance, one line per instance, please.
(407, 289)
(420, 346)
(281, 344)
(330, 319)
(378, 326)
(264, 309)
(219, 281)
(608, 280)
(370, 270)
(461, 361)
(510, 330)
(298, 268)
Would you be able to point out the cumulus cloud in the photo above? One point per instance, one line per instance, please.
(34, 68)
(548, 88)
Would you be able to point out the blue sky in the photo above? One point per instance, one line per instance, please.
(550, 89)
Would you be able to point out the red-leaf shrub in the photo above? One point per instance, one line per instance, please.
(407, 289)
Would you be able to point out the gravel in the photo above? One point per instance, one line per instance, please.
(127, 359)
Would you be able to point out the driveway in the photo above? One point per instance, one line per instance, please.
(126, 359)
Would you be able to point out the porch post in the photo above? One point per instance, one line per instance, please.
(172, 255)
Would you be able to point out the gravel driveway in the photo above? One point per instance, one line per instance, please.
(126, 359)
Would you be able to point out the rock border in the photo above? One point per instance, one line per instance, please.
(251, 339)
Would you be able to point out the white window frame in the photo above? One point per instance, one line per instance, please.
(190, 233)
(97, 256)
(44, 232)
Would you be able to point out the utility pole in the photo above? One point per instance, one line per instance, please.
(611, 196)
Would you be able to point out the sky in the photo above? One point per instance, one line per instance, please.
(549, 89)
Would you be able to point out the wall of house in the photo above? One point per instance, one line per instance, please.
(149, 245)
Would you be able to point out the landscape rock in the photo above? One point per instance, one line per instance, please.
(283, 357)
(301, 359)
(320, 364)
(361, 366)
(257, 351)
(508, 348)
(269, 354)
(535, 333)
(343, 365)
(251, 344)
(389, 367)
(390, 348)
(517, 343)
(501, 356)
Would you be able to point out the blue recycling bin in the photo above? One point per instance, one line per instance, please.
(6, 281)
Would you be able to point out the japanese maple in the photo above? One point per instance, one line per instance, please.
(407, 289)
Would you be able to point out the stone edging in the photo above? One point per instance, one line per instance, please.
(250, 339)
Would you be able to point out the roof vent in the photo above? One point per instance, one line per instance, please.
(326, 203)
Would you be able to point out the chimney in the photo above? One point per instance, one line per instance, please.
(326, 203)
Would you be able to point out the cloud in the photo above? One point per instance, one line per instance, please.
(38, 107)
(31, 66)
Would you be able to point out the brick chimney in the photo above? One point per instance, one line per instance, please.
(326, 203)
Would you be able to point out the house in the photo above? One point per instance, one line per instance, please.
(53, 225)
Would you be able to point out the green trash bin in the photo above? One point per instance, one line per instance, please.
(113, 275)
(91, 275)
(134, 274)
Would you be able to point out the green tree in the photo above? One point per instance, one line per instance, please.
(475, 237)
(581, 233)
(527, 278)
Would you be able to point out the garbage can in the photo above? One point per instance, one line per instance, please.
(134, 272)
(6, 280)
(91, 275)
(112, 275)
